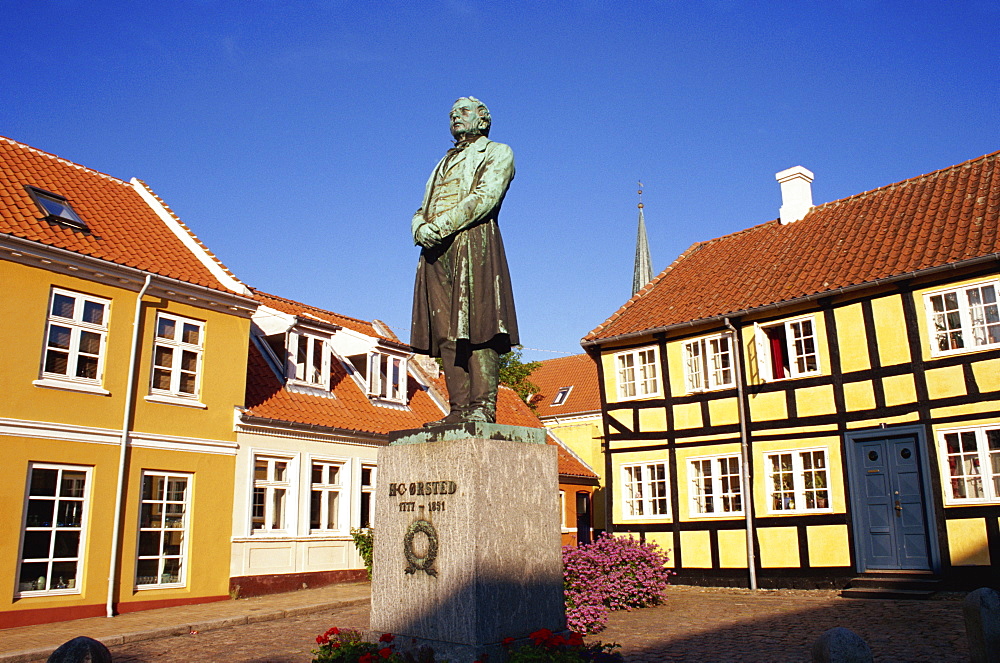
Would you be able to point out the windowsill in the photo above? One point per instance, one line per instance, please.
(639, 519)
(308, 388)
(173, 585)
(68, 385)
(174, 400)
(691, 392)
(800, 512)
(716, 516)
(939, 354)
(46, 592)
(625, 399)
(969, 501)
(795, 377)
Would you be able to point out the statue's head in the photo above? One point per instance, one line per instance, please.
(469, 116)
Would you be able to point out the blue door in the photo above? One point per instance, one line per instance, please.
(889, 504)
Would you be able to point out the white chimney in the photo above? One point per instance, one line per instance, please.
(796, 193)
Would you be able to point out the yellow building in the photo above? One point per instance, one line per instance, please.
(120, 377)
(568, 402)
(819, 393)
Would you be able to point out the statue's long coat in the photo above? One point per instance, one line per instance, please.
(462, 289)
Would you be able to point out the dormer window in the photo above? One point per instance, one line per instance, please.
(56, 208)
(384, 375)
(308, 360)
(312, 360)
(387, 377)
(562, 395)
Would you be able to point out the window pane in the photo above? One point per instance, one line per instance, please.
(72, 484)
(63, 306)
(59, 337)
(43, 482)
(56, 362)
(164, 357)
(86, 367)
(192, 334)
(93, 313)
(186, 384)
(36, 545)
(280, 471)
(70, 513)
(189, 361)
(166, 328)
(149, 543)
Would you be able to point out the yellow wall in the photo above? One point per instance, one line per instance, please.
(967, 542)
(22, 325)
(696, 550)
(779, 547)
(887, 313)
(828, 545)
(851, 338)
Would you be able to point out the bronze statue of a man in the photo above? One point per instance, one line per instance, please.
(463, 306)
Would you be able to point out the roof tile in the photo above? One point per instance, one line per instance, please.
(935, 219)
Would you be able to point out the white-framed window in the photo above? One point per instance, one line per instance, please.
(964, 319)
(638, 373)
(53, 530)
(367, 501)
(562, 395)
(177, 356)
(972, 464)
(708, 363)
(271, 490)
(644, 488)
(324, 496)
(163, 530)
(798, 481)
(387, 377)
(310, 360)
(75, 337)
(787, 349)
(562, 510)
(715, 486)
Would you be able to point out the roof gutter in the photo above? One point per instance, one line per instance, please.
(720, 319)
(251, 420)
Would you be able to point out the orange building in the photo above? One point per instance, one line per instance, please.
(119, 379)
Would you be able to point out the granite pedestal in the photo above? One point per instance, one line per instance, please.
(467, 539)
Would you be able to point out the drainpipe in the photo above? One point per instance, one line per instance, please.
(123, 448)
(747, 488)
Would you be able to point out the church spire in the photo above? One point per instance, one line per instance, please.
(643, 263)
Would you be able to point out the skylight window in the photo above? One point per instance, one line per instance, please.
(56, 208)
(561, 395)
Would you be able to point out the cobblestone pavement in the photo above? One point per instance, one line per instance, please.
(715, 624)
(693, 624)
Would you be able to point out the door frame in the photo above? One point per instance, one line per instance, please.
(919, 433)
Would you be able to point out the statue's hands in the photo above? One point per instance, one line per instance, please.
(427, 236)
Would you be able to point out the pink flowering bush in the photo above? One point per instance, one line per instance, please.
(612, 573)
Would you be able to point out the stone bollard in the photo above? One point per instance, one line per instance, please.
(80, 650)
(982, 624)
(841, 645)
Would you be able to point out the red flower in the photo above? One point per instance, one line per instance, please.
(322, 639)
(366, 658)
(540, 636)
(507, 642)
(386, 637)
(333, 630)
(575, 640)
(556, 641)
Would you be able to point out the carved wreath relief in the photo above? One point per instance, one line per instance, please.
(414, 563)
(433, 494)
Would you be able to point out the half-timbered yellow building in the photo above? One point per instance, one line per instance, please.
(124, 358)
(820, 393)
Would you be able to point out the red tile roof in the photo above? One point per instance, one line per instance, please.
(351, 409)
(511, 410)
(296, 308)
(124, 229)
(576, 371)
(943, 217)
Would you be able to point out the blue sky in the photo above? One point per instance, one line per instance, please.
(295, 138)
